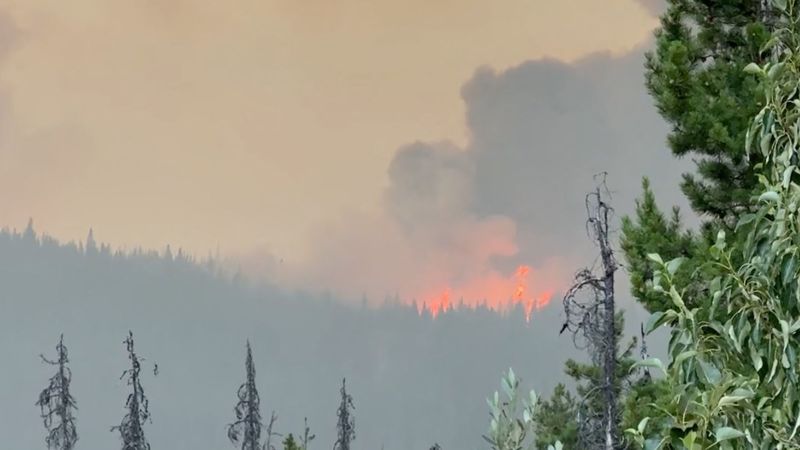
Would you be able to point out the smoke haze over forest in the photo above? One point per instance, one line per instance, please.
(347, 192)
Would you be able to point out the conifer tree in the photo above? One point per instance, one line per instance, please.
(556, 420)
(650, 231)
(57, 404)
(245, 432)
(696, 78)
(290, 444)
(733, 373)
(131, 429)
(345, 426)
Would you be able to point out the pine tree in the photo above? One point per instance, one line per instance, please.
(732, 375)
(556, 420)
(245, 432)
(131, 429)
(696, 78)
(290, 444)
(649, 231)
(345, 426)
(57, 404)
(91, 244)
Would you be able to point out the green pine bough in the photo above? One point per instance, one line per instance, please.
(733, 369)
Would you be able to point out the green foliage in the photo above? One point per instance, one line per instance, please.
(507, 430)
(651, 232)
(733, 374)
(696, 78)
(290, 444)
(590, 403)
(646, 398)
(555, 420)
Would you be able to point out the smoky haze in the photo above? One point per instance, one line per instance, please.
(453, 215)
(414, 380)
(464, 217)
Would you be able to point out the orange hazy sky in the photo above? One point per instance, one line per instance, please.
(248, 123)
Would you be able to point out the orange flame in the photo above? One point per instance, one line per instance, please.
(499, 295)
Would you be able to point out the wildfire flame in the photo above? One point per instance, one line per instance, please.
(500, 296)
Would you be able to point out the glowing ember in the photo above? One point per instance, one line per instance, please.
(497, 294)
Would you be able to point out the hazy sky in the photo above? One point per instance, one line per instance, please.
(275, 127)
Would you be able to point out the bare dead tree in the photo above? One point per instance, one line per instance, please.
(246, 430)
(307, 436)
(57, 404)
(131, 429)
(346, 425)
(590, 316)
(270, 434)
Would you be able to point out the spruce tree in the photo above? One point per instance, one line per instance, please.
(245, 432)
(345, 425)
(131, 429)
(556, 420)
(650, 231)
(732, 375)
(57, 404)
(697, 80)
(696, 77)
(290, 444)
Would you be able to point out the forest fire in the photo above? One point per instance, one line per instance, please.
(498, 294)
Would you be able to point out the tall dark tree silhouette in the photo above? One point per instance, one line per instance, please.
(592, 318)
(245, 432)
(131, 429)
(346, 425)
(57, 404)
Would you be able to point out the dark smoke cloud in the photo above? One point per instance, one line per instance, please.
(465, 217)
(539, 134)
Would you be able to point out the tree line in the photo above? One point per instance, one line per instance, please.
(724, 74)
(248, 431)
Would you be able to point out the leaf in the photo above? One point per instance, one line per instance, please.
(674, 265)
(726, 433)
(676, 298)
(711, 373)
(683, 356)
(753, 69)
(780, 4)
(785, 333)
(730, 400)
(653, 322)
(642, 425)
(787, 269)
(650, 362)
(769, 196)
(655, 257)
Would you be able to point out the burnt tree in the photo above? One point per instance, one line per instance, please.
(245, 432)
(591, 317)
(131, 429)
(57, 404)
(346, 425)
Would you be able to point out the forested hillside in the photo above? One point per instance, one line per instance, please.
(414, 381)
